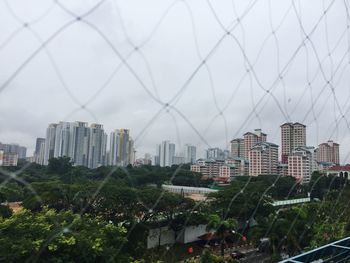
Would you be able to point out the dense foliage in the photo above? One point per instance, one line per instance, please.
(77, 214)
(51, 236)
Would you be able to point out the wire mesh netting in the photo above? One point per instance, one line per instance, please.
(199, 72)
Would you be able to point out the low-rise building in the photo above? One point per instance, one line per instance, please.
(324, 166)
(8, 159)
(342, 171)
(282, 169)
(239, 166)
(209, 168)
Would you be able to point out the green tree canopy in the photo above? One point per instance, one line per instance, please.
(51, 236)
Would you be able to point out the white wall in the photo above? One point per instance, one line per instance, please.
(191, 234)
(167, 236)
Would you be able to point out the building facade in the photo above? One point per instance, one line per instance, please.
(14, 148)
(121, 150)
(237, 148)
(178, 159)
(86, 146)
(251, 139)
(239, 166)
(63, 145)
(215, 153)
(328, 152)
(166, 153)
(209, 168)
(300, 164)
(97, 146)
(50, 142)
(8, 159)
(263, 159)
(39, 153)
(190, 153)
(80, 143)
(293, 135)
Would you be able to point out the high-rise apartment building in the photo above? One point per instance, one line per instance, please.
(80, 143)
(226, 154)
(85, 145)
(189, 153)
(97, 146)
(22, 152)
(166, 153)
(215, 153)
(313, 157)
(113, 148)
(64, 139)
(251, 139)
(121, 151)
(132, 152)
(178, 159)
(263, 159)
(156, 159)
(50, 142)
(300, 164)
(328, 152)
(39, 153)
(237, 148)
(293, 135)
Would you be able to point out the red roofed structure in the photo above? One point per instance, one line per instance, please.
(340, 170)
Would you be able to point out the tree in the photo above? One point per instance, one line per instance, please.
(288, 230)
(222, 228)
(242, 200)
(51, 236)
(5, 211)
(60, 165)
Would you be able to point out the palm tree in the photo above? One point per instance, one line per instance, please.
(222, 228)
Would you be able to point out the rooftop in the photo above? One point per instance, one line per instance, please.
(340, 168)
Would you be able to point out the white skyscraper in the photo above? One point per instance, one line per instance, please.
(132, 152)
(63, 139)
(39, 153)
(80, 143)
(97, 146)
(113, 148)
(189, 153)
(166, 153)
(121, 150)
(50, 142)
(215, 153)
(87, 146)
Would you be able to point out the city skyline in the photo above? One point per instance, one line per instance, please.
(201, 149)
(223, 153)
(121, 149)
(224, 98)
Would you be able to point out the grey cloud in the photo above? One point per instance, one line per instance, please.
(187, 32)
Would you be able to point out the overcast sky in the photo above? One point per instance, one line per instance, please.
(224, 67)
